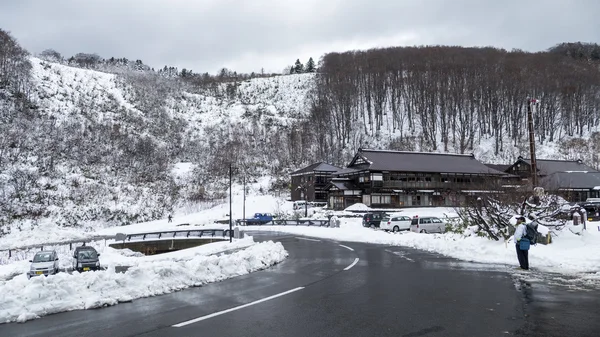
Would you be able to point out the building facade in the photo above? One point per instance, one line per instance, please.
(309, 183)
(392, 179)
(571, 179)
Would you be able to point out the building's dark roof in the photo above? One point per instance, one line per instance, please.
(400, 161)
(549, 166)
(343, 184)
(352, 169)
(317, 167)
(571, 180)
(499, 167)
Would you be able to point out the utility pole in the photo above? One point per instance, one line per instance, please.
(532, 142)
(244, 208)
(230, 215)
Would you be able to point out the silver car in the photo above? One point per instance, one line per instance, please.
(427, 224)
(44, 263)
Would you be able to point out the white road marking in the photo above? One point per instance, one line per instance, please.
(307, 239)
(347, 247)
(179, 325)
(353, 264)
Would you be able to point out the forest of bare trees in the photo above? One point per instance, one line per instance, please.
(448, 98)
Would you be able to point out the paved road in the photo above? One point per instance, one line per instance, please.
(321, 290)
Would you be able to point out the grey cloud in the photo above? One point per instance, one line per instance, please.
(206, 35)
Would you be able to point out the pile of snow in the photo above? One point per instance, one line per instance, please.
(111, 257)
(22, 299)
(358, 207)
(568, 254)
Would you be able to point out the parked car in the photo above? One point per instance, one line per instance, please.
(85, 258)
(395, 223)
(427, 224)
(592, 210)
(43, 263)
(373, 219)
(259, 219)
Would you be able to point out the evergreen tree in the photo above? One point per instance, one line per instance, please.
(310, 66)
(298, 67)
(292, 70)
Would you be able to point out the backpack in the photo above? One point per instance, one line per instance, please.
(531, 233)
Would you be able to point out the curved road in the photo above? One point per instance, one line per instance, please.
(327, 288)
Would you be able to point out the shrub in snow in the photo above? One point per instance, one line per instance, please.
(494, 213)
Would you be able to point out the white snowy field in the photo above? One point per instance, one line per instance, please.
(22, 299)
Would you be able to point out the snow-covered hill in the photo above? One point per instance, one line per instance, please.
(95, 149)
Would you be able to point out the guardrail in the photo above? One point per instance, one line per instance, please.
(57, 243)
(195, 233)
(307, 222)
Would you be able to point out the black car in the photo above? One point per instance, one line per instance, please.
(85, 258)
(592, 210)
(373, 219)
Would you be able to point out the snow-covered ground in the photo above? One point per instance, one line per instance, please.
(22, 299)
(568, 254)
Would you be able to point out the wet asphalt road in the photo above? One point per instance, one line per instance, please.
(390, 291)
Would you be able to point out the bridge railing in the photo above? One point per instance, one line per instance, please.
(176, 234)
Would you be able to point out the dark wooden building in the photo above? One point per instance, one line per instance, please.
(309, 183)
(571, 179)
(546, 167)
(391, 179)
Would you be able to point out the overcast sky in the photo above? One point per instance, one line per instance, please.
(246, 35)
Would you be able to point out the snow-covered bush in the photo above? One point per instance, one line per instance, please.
(493, 213)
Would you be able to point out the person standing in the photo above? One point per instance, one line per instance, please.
(522, 254)
(170, 218)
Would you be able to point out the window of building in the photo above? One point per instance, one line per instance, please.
(381, 199)
(367, 200)
(416, 200)
(320, 196)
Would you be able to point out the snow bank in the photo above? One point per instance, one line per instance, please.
(568, 254)
(22, 299)
(111, 257)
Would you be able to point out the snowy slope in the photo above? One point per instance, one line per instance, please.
(258, 105)
(68, 93)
